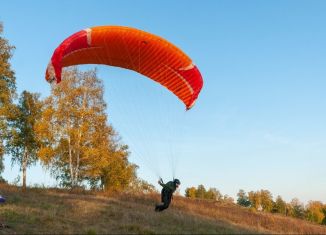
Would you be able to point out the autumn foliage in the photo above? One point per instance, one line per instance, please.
(262, 201)
(77, 143)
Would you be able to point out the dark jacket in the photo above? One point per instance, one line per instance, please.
(169, 186)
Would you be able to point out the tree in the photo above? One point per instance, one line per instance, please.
(261, 200)
(213, 194)
(142, 186)
(289, 210)
(191, 192)
(324, 211)
(23, 144)
(314, 211)
(255, 200)
(200, 192)
(243, 199)
(118, 173)
(279, 206)
(77, 143)
(7, 92)
(266, 200)
(297, 208)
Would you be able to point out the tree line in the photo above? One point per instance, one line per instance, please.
(67, 132)
(314, 211)
(262, 200)
(211, 194)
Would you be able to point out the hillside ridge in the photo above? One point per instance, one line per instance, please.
(58, 211)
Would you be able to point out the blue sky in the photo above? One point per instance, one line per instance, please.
(259, 122)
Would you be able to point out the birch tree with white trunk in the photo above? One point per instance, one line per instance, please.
(76, 138)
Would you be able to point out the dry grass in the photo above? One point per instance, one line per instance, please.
(260, 221)
(45, 211)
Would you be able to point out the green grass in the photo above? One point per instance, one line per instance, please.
(53, 211)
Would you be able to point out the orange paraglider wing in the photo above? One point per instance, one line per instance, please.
(133, 49)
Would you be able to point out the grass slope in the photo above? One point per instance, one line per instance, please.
(41, 211)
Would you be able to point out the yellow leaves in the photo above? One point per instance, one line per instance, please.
(315, 211)
(48, 113)
(6, 73)
(7, 78)
(41, 128)
(191, 192)
(46, 154)
(75, 135)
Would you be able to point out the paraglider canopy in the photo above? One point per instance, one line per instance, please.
(133, 49)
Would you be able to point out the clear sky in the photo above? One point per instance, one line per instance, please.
(259, 122)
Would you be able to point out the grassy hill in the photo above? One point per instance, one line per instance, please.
(44, 211)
